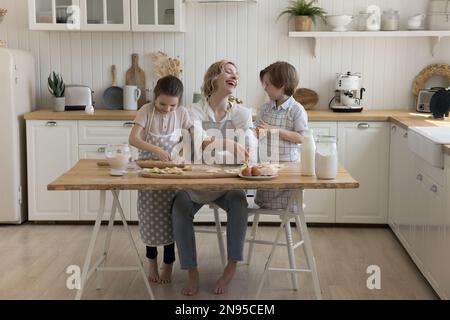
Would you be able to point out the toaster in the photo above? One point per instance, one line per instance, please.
(78, 97)
(424, 98)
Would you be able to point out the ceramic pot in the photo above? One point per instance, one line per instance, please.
(303, 23)
(59, 104)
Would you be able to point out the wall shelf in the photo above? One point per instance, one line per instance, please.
(434, 35)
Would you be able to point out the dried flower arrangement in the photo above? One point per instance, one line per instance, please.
(165, 65)
(3, 13)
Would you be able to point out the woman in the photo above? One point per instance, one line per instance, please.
(215, 111)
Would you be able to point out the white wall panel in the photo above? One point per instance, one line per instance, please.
(246, 33)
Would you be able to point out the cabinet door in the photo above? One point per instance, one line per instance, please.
(157, 15)
(89, 200)
(105, 15)
(321, 204)
(394, 178)
(446, 233)
(51, 150)
(363, 149)
(54, 14)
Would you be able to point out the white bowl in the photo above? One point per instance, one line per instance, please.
(338, 22)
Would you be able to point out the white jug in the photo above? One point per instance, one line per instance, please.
(131, 95)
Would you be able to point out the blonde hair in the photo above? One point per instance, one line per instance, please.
(211, 75)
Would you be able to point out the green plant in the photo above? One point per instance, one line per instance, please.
(303, 8)
(56, 85)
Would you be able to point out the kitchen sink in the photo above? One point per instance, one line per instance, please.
(427, 143)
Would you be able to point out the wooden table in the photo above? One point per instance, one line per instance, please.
(86, 175)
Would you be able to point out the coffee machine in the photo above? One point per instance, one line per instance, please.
(348, 93)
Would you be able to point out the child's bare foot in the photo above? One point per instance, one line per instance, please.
(153, 275)
(225, 279)
(166, 274)
(191, 287)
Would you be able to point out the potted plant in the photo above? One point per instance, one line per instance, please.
(57, 88)
(304, 12)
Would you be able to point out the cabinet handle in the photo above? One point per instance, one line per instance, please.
(405, 135)
(101, 150)
(363, 126)
(51, 124)
(128, 124)
(419, 177)
(434, 188)
(394, 128)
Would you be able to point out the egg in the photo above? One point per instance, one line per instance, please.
(246, 171)
(256, 171)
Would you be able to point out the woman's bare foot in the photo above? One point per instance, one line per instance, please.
(192, 285)
(166, 273)
(225, 279)
(153, 275)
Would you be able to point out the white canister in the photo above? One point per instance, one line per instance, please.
(131, 95)
(326, 160)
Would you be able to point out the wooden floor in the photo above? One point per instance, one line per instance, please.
(33, 260)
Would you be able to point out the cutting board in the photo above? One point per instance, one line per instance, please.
(135, 76)
(198, 172)
(307, 97)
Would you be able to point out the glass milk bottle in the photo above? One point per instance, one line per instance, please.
(326, 161)
(308, 151)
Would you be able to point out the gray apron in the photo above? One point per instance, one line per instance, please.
(154, 207)
(204, 197)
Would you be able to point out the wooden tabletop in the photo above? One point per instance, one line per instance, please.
(86, 175)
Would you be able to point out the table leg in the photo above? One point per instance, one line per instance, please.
(290, 251)
(307, 244)
(130, 237)
(107, 243)
(87, 260)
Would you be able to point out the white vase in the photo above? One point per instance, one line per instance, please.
(59, 104)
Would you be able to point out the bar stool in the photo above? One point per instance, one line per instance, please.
(218, 231)
(286, 216)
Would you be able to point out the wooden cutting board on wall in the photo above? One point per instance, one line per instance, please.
(135, 76)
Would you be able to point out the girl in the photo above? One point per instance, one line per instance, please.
(155, 134)
(285, 115)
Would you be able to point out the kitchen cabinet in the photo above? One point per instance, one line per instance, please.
(52, 148)
(105, 15)
(54, 14)
(321, 204)
(400, 170)
(363, 149)
(445, 236)
(158, 15)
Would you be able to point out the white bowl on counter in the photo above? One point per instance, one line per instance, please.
(338, 22)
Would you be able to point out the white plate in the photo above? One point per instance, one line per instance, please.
(257, 177)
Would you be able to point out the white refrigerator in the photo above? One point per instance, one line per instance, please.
(17, 97)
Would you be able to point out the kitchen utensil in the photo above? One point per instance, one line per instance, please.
(196, 173)
(136, 76)
(306, 97)
(416, 22)
(158, 164)
(78, 97)
(118, 156)
(424, 98)
(113, 96)
(440, 104)
(390, 20)
(439, 15)
(131, 95)
(338, 22)
(348, 93)
(374, 19)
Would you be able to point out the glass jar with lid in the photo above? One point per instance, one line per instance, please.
(361, 21)
(326, 159)
(390, 20)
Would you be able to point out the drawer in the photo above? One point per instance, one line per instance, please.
(103, 132)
